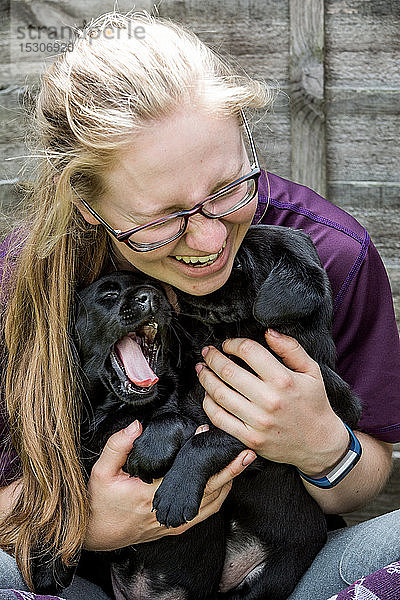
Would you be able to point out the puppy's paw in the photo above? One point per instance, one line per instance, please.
(150, 458)
(177, 502)
(153, 453)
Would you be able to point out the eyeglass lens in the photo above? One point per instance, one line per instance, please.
(217, 207)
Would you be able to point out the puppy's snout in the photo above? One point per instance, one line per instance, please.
(147, 300)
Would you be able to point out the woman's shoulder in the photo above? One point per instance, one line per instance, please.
(341, 241)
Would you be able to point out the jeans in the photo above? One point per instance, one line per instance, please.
(349, 554)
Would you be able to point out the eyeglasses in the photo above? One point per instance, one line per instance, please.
(225, 201)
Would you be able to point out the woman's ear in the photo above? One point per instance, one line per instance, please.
(89, 218)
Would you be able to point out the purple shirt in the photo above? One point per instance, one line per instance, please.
(364, 327)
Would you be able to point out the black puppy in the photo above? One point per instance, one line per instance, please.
(277, 281)
(126, 354)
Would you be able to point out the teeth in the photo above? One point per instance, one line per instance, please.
(201, 259)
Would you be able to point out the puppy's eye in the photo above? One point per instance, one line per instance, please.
(110, 295)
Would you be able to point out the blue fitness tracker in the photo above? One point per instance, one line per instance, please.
(344, 467)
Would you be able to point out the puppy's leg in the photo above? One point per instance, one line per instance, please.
(154, 451)
(177, 500)
(271, 505)
(182, 567)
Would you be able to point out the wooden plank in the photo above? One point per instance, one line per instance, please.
(365, 195)
(363, 147)
(307, 93)
(366, 26)
(63, 16)
(368, 101)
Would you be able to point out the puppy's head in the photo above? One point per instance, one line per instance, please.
(120, 329)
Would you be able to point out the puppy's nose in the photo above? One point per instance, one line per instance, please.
(147, 300)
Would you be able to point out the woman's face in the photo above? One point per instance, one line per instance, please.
(170, 166)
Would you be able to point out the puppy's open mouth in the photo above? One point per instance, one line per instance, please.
(134, 357)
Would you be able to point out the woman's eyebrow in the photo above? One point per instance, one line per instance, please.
(235, 174)
(228, 179)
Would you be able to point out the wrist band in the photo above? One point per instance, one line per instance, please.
(344, 466)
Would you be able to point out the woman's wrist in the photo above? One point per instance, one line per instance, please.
(342, 468)
(332, 450)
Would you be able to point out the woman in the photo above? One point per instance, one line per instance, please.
(133, 130)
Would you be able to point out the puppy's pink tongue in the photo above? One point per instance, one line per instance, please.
(136, 366)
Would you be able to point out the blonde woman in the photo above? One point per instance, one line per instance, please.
(133, 129)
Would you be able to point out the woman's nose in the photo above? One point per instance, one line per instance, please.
(205, 235)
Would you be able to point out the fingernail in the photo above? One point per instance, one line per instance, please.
(273, 333)
(205, 351)
(132, 428)
(199, 367)
(202, 429)
(249, 457)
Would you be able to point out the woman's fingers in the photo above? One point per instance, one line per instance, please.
(234, 469)
(115, 452)
(292, 353)
(230, 399)
(228, 421)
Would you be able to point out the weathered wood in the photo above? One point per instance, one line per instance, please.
(307, 93)
(363, 147)
(368, 101)
(365, 194)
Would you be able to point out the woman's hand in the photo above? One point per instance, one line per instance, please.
(284, 413)
(121, 506)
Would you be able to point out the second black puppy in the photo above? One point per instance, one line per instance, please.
(277, 281)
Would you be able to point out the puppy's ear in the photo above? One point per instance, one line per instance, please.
(293, 290)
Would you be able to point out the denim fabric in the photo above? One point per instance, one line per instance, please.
(349, 555)
(10, 577)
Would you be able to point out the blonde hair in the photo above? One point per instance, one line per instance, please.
(92, 101)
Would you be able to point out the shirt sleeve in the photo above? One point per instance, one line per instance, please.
(368, 347)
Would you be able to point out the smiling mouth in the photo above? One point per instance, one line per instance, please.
(134, 357)
(201, 261)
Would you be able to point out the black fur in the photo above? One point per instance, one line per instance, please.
(277, 281)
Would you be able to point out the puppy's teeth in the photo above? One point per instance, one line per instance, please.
(186, 259)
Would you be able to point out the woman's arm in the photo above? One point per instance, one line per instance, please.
(285, 416)
(362, 484)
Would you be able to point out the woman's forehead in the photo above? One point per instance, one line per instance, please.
(182, 156)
